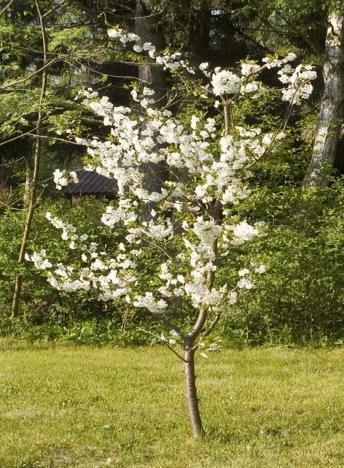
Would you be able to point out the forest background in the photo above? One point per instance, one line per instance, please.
(298, 190)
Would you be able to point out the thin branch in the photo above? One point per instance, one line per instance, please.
(11, 205)
(211, 327)
(161, 316)
(151, 15)
(94, 13)
(164, 342)
(157, 246)
(280, 129)
(6, 7)
(110, 75)
(12, 162)
(251, 39)
(174, 351)
(171, 325)
(39, 196)
(28, 77)
(30, 49)
(203, 313)
(18, 137)
(35, 174)
(47, 137)
(299, 34)
(53, 9)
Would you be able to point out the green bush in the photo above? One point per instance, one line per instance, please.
(299, 299)
(301, 296)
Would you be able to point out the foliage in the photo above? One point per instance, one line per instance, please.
(300, 299)
(38, 299)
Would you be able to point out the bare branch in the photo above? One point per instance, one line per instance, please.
(112, 76)
(163, 342)
(36, 164)
(18, 137)
(47, 137)
(28, 77)
(6, 7)
(53, 9)
(12, 162)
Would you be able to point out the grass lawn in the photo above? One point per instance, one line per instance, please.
(79, 406)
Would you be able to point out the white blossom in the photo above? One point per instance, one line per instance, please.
(298, 82)
(225, 82)
(260, 269)
(243, 232)
(245, 283)
(149, 302)
(249, 68)
(39, 260)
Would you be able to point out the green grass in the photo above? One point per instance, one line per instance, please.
(88, 407)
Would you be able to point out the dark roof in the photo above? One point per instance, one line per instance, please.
(91, 183)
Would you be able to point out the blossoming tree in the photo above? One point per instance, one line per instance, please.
(192, 223)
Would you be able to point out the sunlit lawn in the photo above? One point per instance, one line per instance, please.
(73, 406)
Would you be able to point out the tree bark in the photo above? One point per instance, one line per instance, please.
(147, 27)
(191, 389)
(190, 350)
(331, 111)
(31, 201)
(199, 30)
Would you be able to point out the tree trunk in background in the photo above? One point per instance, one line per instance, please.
(31, 182)
(331, 112)
(199, 31)
(147, 27)
(27, 187)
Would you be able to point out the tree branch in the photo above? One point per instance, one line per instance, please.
(28, 77)
(164, 342)
(6, 7)
(18, 137)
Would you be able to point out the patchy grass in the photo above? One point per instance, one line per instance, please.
(80, 406)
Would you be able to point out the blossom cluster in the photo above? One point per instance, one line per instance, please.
(227, 83)
(63, 178)
(133, 39)
(110, 276)
(298, 82)
(159, 137)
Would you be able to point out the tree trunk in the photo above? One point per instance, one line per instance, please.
(190, 349)
(331, 111)
(200, 30)
(191, 390)
(147, 27)
(27, 187)
(31, 201)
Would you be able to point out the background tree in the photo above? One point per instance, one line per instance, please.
(332, 104)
